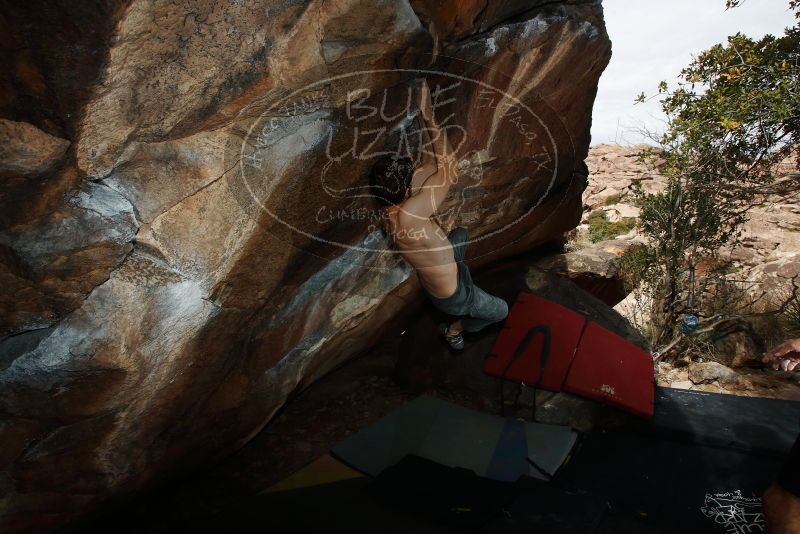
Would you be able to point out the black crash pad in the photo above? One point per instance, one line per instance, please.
(701, 464)
(660, 485)
(458, 499)
(743, 423)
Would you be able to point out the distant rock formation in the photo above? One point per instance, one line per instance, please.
(180, 244)
(769, 254)
(763, 265)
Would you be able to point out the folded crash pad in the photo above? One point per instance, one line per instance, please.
(490, 446)
(610, 369)
(546, 345)
(537, 344)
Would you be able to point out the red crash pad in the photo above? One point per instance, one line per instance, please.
(610, 369)
(519, 353)
(552, 347)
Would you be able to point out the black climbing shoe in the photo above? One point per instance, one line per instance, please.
(456, 341)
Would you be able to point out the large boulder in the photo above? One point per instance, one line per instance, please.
(737, 344)
(596, 268)
(183, 241)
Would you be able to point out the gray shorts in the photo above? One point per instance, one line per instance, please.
(472, 305)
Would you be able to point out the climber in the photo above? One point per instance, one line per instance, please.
(411, 192)
(782, 499)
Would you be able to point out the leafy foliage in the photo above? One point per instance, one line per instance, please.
(733, 116)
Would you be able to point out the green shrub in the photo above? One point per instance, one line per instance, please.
(601, 228)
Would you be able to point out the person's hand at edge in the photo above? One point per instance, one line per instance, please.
(784, 357)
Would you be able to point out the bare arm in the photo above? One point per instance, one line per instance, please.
(432, 191)
(784, 357)
(427, 164)
(428, 155)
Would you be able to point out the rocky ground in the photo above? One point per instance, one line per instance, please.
(764, 263)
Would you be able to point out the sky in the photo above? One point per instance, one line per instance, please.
(652, 41)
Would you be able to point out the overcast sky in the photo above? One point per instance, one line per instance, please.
(652, 41)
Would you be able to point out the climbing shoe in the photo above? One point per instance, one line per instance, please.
(456, 341)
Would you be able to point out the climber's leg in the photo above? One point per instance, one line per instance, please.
(486, 309)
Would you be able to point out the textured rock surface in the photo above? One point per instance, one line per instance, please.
(26, 150)
(707, 372)
(715, 377)
(356, 396)
(158, 308)
(594, 268)
(737, 344)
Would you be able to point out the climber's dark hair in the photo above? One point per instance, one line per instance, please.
(390, 179)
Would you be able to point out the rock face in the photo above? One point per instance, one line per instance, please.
(737, 344)
(594, 268)
(26, 150)
(182, 239)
